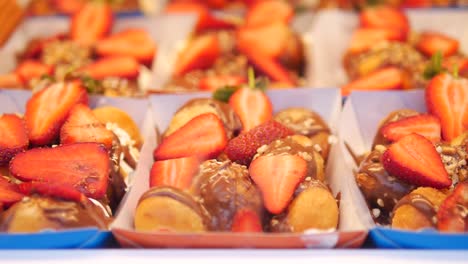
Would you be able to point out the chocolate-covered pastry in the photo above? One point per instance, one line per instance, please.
(223, 188)
(34, 214)
(394, 116)
(308, 123)
(200, 106)
(167, 208)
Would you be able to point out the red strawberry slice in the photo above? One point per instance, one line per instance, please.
(51, 189)
(201, 53)
(6, 184)
(427, 126)
(136, 43)
(415, 160)
(276, 33)
(83, 126)
(30, 69)
(416, 3)
(91, 23)
(114, 66)
(430, 42)
(266, 12)
(277, 178)
(213, 83)
(68, 6)
(365, 38)
(204, 136)
(452, 216)
(47, 110)
(384, 17)
(243, 148)
(246, 220)
(447, 98)
(10, 80)
(84, 166)
(206, 20)
(9, 193)
(252, 106)
(177, 173)
(390, 78)
(13, 137)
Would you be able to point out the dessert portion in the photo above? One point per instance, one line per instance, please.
(107, 63)
(416, 174)
(262, 176)
(223, 48)
(64, 165)
(386, 54)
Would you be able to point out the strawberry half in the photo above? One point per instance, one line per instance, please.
(30, 69)
(176, 173)
(9, 193)
(390, 78)
(427, 126)
(213, 83)
(451, 216)
(384, 17)
(47, 110)
(246, 220)
(252, 106)
(266, 12)
(201, 53)
(277, 177)
(10, 80)
(447, 98)
(84, 166)
(114, 66)
(83, 126)
(415, 160)
(204, 136)
(124, 44)
(91, 23)
(13, 137)
(68, 6)
(430, 42)
(277, 34)
(243, 148)
(51, 189)
(365, 38)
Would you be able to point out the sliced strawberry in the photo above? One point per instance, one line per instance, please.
(30, 69)
(415, 160)
(9, 193)
(447, 98)
(68, 6)
(204, 136)
(390, 78)
(51, 189)
(6, 184)
(452, 216)
(10, 80)
(416, 3)
(47, 110)
(384, 17)
(430, 42)
(242, 148)
(91, 23)
(365, 38)
(266, 12)
(84, 166)
(13, 137)
(246, 220)
(83, 126)
(201, 53)
(213, 83)
(427, 126)
(252, 106)
(206, 20)
(177, 173)
(114, 66)
(124, 44)
(277, 178)
(276, 33)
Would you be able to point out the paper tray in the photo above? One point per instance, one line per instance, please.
(326, 102)
(359, 122)
(14, 101)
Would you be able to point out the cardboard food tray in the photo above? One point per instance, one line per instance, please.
(326, 102)
(333, 29)
(14, 101)
(360, 119)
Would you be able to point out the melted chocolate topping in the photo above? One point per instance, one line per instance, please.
(421, 203)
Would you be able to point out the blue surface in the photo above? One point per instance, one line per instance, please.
(67, 239)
